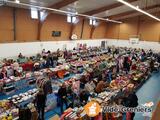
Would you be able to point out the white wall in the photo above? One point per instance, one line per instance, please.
(32, 48)
(155, 46)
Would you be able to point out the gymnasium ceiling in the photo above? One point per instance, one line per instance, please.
(100, 8)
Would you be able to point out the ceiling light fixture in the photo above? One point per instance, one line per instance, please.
(138, 9)
(61, 11)
(113, 21)
(17, 1)
(93, 22)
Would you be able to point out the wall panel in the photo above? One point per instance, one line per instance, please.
(26, 28)
(78, 28)
(128, 28)
(6, 24)
(148, 29)
(100, 31)
(55, 22)
(112, 31)
(86, 30)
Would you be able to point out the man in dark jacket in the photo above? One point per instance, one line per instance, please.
(131, 101)
(40, 104)
(62, 94)
(84, 95)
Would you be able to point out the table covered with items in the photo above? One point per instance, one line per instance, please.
(76, 74)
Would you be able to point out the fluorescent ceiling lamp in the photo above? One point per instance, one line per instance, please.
(17, 1)
(138, 9)
(60, 11)
(113, 21)
(34, 13)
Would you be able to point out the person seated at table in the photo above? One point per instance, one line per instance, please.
(1, 63)
(55, 59)
(49, 61)
(30, 60)
(20, 56)
(15, 66)
(43, 52)
(109, 50)
(158, 58)
(100, 86)
(84, 95)
(62, 96)
(76, 101)
(70, 95)
(65, 53)
(38, 57)
(134, 57)
(90, 86)
(3, 73)
(43, 62)
(4, 60)
(96, 71)
(74, 48)
(7, 62)
(126, 64)
(58, 53)
(152, 65)
(150, 53)
(99, 77)
(36, 66)
(83, 81)
(134, 65)
(117, 115)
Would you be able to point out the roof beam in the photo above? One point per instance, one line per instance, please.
(62, 4)
(131, 12)
(137, 15)
(105, 8)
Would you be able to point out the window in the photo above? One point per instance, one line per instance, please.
(93, 22)
(34, 13)
(72, 19)
(69, 19)
(90, 21)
